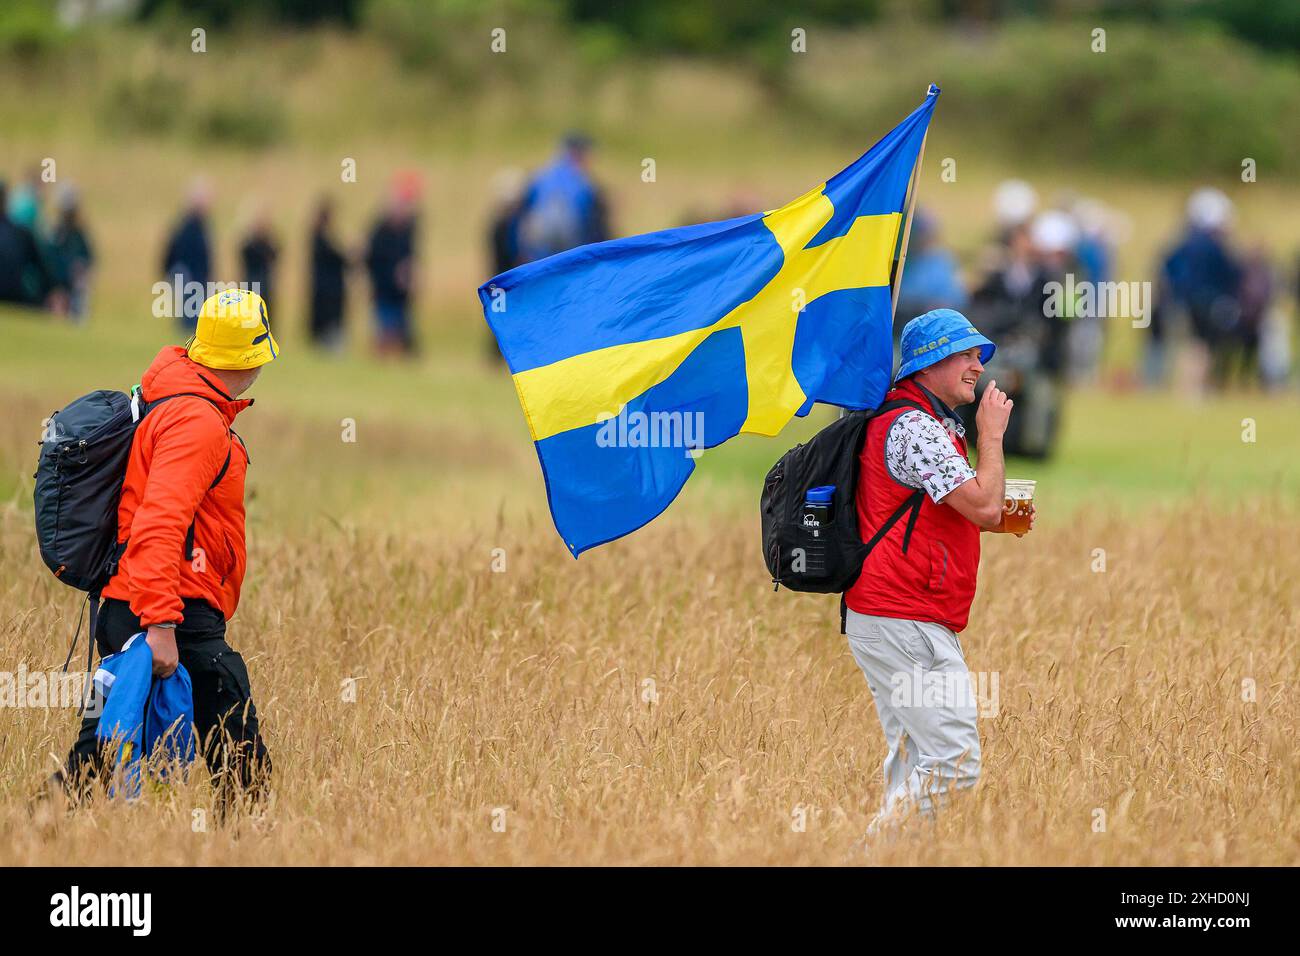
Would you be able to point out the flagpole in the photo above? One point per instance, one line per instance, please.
(907, 230)
(907, 225)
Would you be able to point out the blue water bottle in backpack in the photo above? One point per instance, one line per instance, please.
(816, 520)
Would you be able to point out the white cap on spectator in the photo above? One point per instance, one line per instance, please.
(1207, 208)
(1014, 201)
(1054, 231)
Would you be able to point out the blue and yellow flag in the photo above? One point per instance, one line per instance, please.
(632, 356)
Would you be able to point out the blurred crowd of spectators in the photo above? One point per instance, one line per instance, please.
(557, 208)
(1214, 304)
(44, 263)
(388, 257)
(1215, 299)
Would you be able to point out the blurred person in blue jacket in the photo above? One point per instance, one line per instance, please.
(562, 206)
(931, 277)
(1204, 279)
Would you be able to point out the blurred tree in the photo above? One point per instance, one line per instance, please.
(1274, 24)
(28, 28)
(728, 28)
(715, 26)
(224, 12)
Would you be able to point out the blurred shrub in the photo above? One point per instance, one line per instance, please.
(1161, 100)
(28, 29)
(243, 118)
(146, 100)
(600, 46)
(149, 94)
(452, 38)
(1166, 101)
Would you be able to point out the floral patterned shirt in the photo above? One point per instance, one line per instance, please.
(920, 453)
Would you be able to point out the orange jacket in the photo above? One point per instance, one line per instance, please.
(178, 451)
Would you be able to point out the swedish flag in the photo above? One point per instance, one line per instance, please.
(631, 356)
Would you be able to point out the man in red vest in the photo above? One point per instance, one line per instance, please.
(914, 595)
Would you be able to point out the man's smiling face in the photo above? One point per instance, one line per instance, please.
(953, 379)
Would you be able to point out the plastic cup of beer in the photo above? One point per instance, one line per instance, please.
(1018, 505)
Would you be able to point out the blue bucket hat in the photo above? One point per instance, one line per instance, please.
(934, 336)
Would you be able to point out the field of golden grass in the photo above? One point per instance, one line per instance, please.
(442, 702)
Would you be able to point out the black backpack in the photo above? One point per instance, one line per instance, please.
(827, 559)
(78, 484)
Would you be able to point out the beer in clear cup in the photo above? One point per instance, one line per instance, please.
(1017, 505)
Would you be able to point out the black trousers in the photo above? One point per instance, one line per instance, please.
(224, 716)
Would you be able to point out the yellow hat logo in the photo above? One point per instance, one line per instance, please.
(233, 332)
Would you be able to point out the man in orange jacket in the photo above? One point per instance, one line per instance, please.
(180, 553)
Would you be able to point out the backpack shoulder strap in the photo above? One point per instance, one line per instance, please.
(242, 444)
(900, 403)
(189, 534)
(150, 404)
(225, 466)
(911, 507)
(912, 504)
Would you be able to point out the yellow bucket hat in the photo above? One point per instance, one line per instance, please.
(233, 331)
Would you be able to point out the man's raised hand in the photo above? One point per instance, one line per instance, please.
(994, 412)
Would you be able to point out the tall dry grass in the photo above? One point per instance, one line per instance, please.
(524, 691)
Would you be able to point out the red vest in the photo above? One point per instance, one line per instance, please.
(935, 579)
